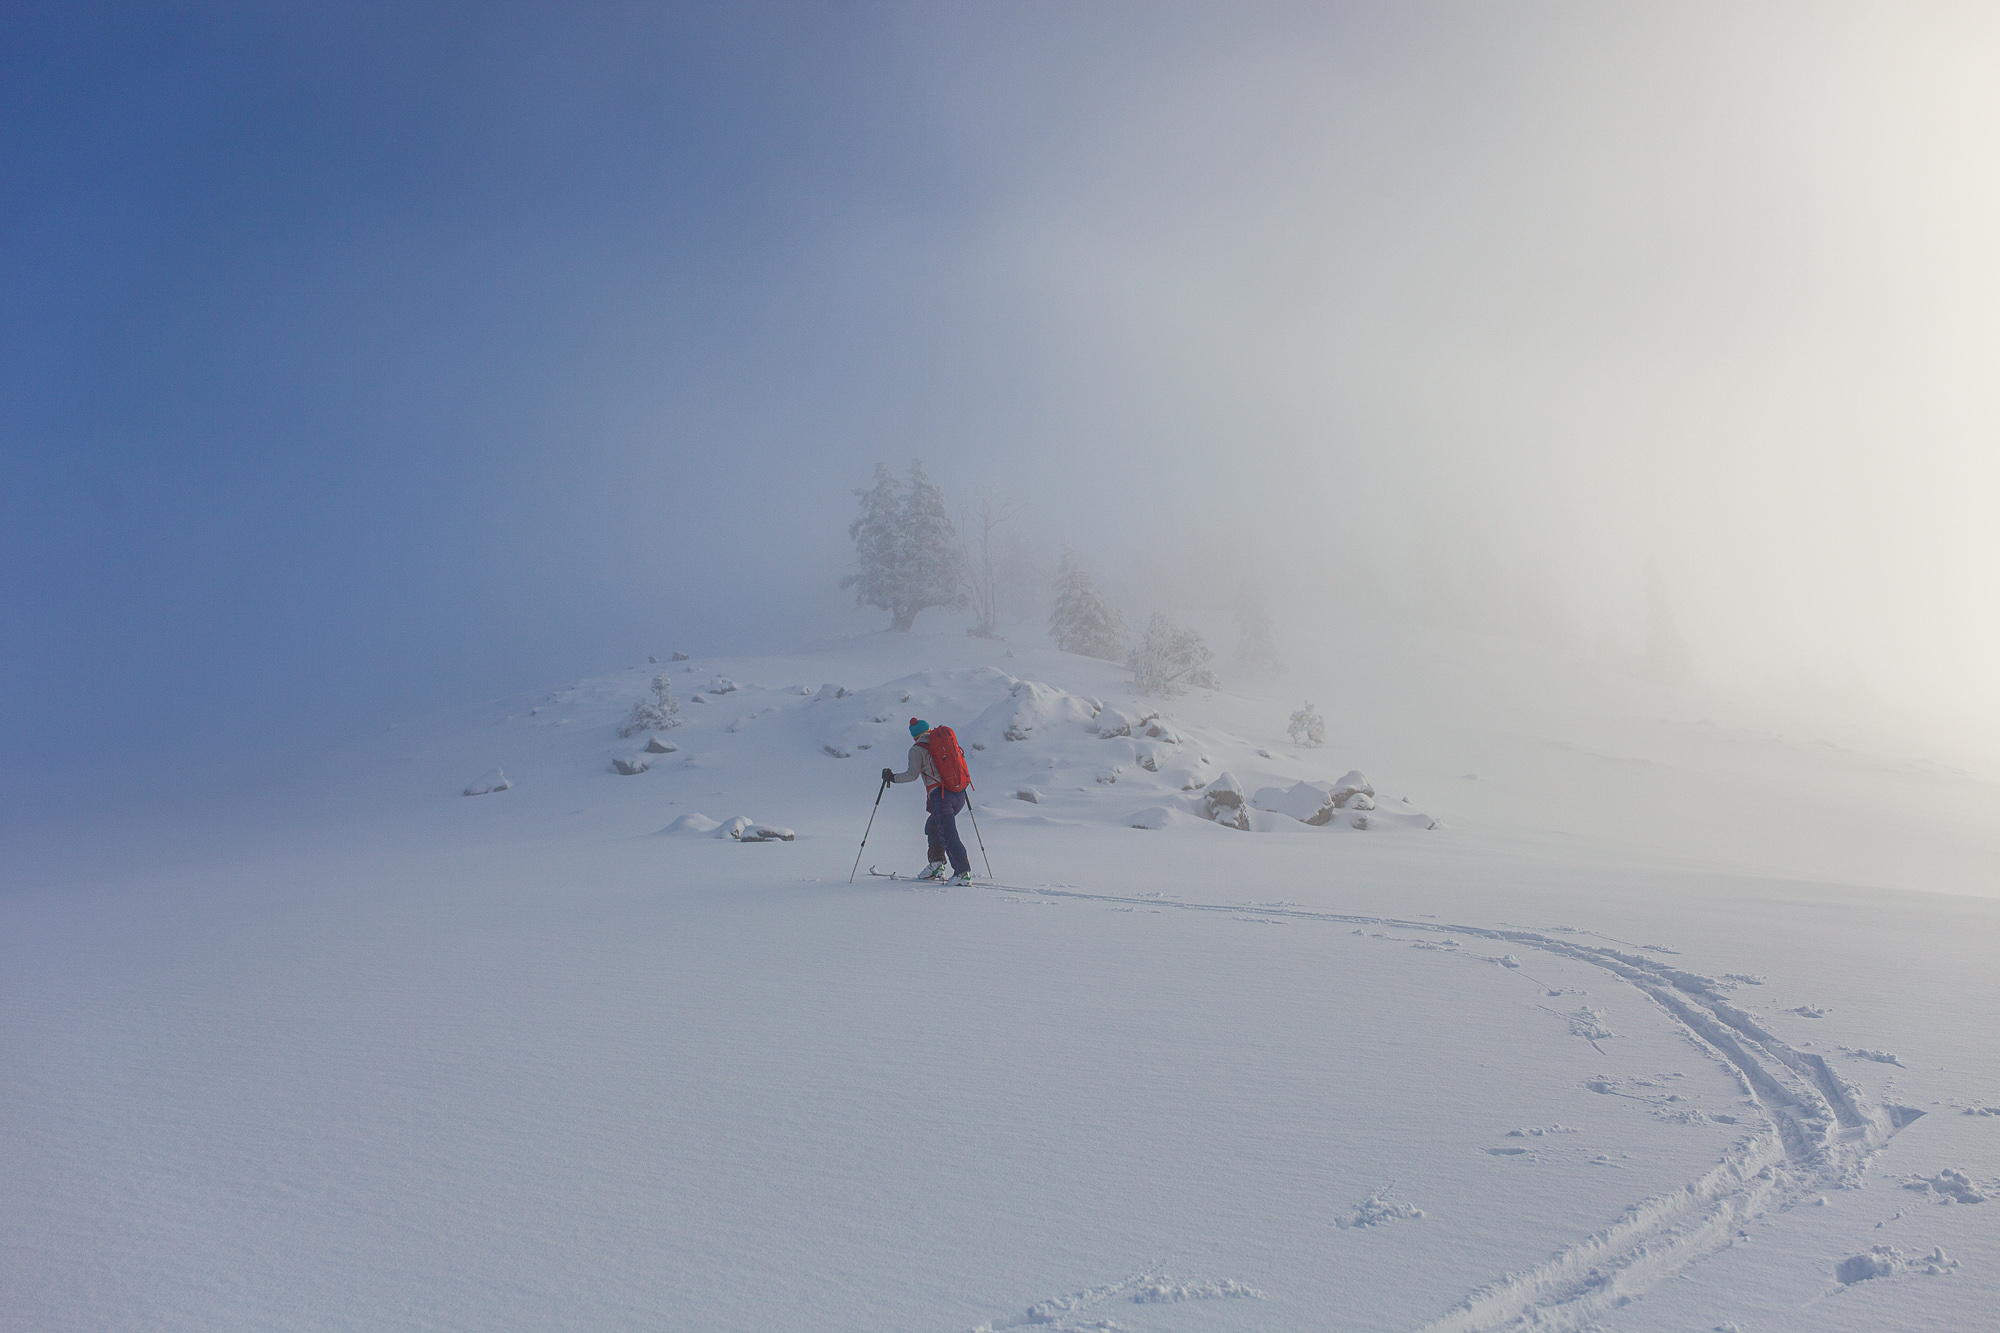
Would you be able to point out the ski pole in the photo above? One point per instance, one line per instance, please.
(982, 841)
(865, 832)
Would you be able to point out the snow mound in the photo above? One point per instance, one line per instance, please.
(1031, 707)
(696, 824)
(630, 765)
(1304, 801)
(493, 780)
(742, 828)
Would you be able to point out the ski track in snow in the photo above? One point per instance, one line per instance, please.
(1819, 1132)
(1152, 1285)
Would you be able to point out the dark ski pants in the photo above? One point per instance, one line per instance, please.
(942, 826)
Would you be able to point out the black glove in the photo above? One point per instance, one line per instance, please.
(888, 776)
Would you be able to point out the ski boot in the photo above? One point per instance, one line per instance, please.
(935, 870)
(961, 879)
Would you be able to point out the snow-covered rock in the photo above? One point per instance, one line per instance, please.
(1354, 781)
(1224, 793)
(492, 781)
(631, 765)
(764, 833)
(1113, 722)
(660, 745)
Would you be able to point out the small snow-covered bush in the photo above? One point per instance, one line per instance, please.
(1307, 727)
(1169, 660)
(662, 712)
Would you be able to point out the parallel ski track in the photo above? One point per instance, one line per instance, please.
(1819, 1133)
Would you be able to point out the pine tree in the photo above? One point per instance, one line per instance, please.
(877, 543)
(1169, 660)
(1080, 621)
(905, 548)
(660, 713)
(1254, 649)
(933, 560)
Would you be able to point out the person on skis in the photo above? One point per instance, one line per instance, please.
(935, 757)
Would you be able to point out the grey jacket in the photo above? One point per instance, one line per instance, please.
(921, 766)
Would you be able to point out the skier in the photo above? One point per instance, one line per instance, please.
(935, 757)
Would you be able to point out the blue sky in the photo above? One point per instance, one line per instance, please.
(354, 361)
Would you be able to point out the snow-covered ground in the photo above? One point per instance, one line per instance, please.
(1578, 1001)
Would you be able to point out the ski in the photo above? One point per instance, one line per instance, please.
(901, 878)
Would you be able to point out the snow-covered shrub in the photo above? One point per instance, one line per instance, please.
(906, 548)
(662, 712)
(1080, 621)
(1307, 727)
(1168, 660)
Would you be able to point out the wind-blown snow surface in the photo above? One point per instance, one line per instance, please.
(1634, 1037)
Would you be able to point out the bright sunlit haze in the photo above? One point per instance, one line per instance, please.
(356, 360)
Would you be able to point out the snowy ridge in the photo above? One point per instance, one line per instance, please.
(1819, 1134)
(1041, 744)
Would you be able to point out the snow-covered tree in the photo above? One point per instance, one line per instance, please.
(662, 712)
(905, 548)
(877, 534)
(1168, 660)
(1307, 727)
(934, 562)
(1254, 649)
(1081, 622)
(984, 516)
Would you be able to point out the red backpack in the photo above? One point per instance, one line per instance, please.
(942, 742)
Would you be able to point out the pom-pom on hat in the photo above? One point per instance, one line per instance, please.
(918, 726)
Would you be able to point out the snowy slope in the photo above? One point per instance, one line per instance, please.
(1601, 1037)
